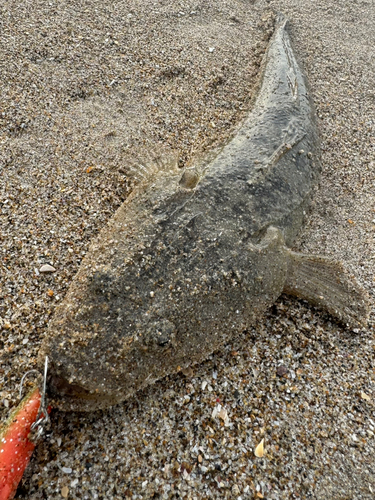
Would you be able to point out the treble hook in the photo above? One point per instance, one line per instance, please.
(42, 417)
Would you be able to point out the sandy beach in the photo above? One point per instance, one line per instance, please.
(88, 91)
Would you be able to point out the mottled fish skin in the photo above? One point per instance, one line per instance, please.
(188, 262)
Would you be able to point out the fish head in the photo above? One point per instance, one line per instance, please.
(116, 333)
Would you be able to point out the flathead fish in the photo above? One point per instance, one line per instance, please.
(192, 258)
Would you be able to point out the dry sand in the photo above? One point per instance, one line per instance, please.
(87, 90)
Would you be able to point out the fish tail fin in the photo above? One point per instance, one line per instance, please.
(326, 284)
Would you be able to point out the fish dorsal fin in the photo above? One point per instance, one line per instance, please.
(145, 168)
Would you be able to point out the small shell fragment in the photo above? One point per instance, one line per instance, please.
(215, 412)
(259, 450)
(64, 492)
(46, 268)
(365, 396)
(223, 414)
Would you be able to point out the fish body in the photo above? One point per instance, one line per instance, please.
(191, 259)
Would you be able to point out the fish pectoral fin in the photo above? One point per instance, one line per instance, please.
(326, 284)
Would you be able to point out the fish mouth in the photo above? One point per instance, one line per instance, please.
(68, 396)
(60, 386)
